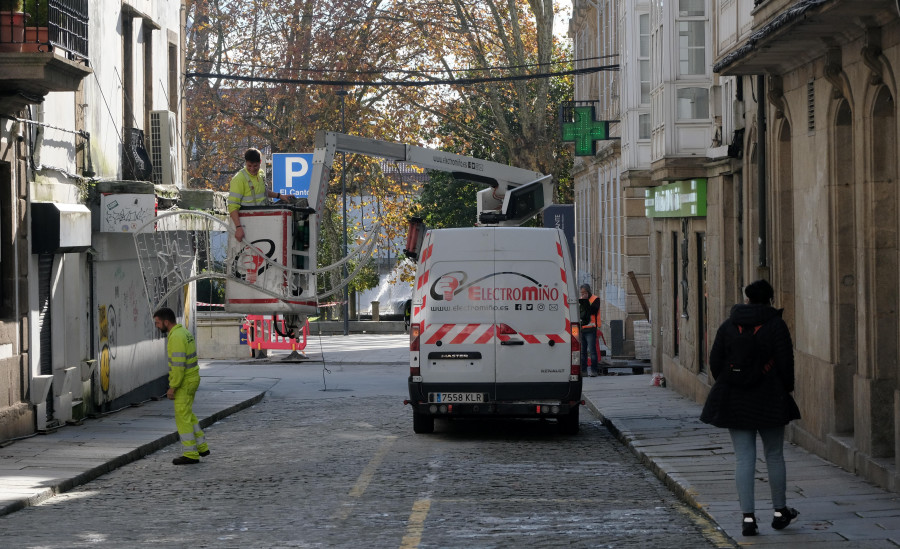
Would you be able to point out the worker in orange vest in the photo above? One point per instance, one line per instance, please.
(589, 308)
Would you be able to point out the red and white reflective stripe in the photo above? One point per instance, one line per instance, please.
(423, 280)
(478, 334)
(562, 269)
(420, 309)
(426, 253)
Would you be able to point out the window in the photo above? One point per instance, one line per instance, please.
(644, 126)
(173, 77)
(691, 47)
(148, 75)
(691, 8)
(644, 56)
(692, 103)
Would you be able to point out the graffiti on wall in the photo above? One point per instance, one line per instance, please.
(105, 358)
(126, 300)
(126, 213)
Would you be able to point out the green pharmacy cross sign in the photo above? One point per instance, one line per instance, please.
(585, 130)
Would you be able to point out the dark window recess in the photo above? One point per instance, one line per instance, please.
(45, 272)
(675, 301)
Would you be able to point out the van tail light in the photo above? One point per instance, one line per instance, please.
(576, 349)
(415, 330)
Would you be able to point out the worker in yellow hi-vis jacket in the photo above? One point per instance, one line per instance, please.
(184, 379)
(248, 188)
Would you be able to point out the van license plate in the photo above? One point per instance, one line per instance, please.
(456, 397)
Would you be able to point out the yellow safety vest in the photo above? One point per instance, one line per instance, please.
(246, 190)
(182, 352)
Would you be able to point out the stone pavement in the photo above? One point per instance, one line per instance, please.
(837, 509)
(695, 460)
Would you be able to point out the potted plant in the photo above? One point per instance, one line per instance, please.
(12, 24)
(36, 33)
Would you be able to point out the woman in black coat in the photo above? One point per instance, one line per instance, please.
(757, 402)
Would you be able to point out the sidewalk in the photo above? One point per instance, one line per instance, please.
(837, 509)
(695, 460)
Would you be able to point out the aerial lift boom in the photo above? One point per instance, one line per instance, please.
(514, 194)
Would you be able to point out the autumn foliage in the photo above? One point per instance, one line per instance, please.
(267, 73)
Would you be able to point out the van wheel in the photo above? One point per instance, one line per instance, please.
(423, 424)
(568, 424)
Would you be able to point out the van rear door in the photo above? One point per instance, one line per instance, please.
(532, 291)
(457, 342)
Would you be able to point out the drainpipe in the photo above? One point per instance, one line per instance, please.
(761, 169)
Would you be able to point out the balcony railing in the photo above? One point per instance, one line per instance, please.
(46, 25)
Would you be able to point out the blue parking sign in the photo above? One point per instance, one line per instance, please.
(292, 173)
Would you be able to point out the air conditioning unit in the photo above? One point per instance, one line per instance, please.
(164, 148)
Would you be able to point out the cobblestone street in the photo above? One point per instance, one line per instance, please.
(348, 471)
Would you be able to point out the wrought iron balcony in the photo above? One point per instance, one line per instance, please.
(43, 48)
(31, 26)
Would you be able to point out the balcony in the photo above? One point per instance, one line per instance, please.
(43, 48)
(791, 33)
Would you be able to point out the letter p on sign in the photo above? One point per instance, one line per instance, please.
(296, 167)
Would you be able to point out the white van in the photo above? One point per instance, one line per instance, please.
(494, 328)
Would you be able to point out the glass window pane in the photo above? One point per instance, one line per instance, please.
(691, 8)
(644, 126)
(692, 103)
(697, 61)
(644, 41)
(692, 47)
(645, 80)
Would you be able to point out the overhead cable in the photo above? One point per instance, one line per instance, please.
(401, 71)
(400, 83)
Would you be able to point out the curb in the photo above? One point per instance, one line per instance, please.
(670, 482)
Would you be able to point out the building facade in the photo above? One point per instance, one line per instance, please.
(90, 117)
(773, 134)
(612, 233)
(817, 81)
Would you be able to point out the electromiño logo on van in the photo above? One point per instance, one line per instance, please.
(448, 285)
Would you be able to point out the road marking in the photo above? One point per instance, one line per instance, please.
(416, 524)
(365, 478)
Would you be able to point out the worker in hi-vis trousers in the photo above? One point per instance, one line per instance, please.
(184, 379)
